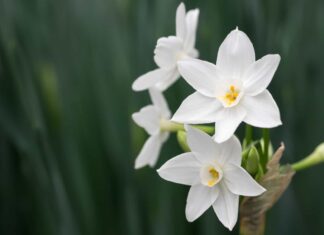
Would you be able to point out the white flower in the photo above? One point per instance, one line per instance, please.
(171, 49)
(149, 117)
(214, 173)
(232, 91)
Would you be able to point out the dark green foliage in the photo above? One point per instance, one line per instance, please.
(67, 142)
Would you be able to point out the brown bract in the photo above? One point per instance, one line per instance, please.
(253, 209)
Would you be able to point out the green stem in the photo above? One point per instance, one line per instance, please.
(313, 159)
(264, 156)
(248, 134)
(208, 129)
(167, 125)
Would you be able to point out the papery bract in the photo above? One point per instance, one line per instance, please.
(149, 117)
(214, 173)
(232, 91)
(170, 50)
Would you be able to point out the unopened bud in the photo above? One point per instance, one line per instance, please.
(252, 161)
(182, 140)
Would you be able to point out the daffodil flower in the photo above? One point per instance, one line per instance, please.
(232, 91)
(171, 49)
(149, 117)
(214, 173)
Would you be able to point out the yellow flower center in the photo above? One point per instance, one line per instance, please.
(231, 95)
(214, 175)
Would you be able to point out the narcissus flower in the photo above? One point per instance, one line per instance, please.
(214, 173)
(232, 91)
(171, 49)
(149, 117)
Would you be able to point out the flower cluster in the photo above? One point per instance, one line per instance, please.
(232, 91)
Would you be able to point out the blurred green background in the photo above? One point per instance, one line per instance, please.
(68, 144)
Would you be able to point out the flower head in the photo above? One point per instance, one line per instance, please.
(170, 50)
(149, 117)
(232, 91)
(214, 173)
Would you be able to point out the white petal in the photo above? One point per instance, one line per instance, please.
(191, 23)
(238, 181)
(197, 109)
(201, 143)
(199, 199)
(226, 126)
(230, 151)
(160, 102)
(182, 169)
(148, 118)
(193, 53)
(259, 74)
(181, 21)
(167, 51)
(235, 54)
(166, 83)
(149, 153)
(262, 110)
(226, 207)
(201, 75)
(163, 136)
(150, 79)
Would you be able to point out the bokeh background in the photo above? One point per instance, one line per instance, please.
(67, 141)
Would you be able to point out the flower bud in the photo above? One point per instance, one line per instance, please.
(252, 161)
(182, 140)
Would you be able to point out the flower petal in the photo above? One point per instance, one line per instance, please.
(181, 21)
(193, 53)
(196, 109)
(199, 199)
(262, 110)
(226, 207)
(163, 136)
(201, 75)
(229, 121)
(235, 54)
(151, 78)
(259, 74)
(167, 51)
(201, 143)
(149, 153)
(191, 29)
(148, 118)
(160, 102)
(230, 151)
(182, 169)
(166, 83)
(238, 181)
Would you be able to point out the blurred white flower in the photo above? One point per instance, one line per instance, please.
(171, 49)
(214, 173)
(149, 117)
(232, 91)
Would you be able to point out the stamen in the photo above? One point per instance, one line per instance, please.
(231, 95)
(214, 177)
(210, 175)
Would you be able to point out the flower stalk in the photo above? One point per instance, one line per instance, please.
(170, 126)
(264, 156)
(248, 134)
(167, 125)
(313, 159)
